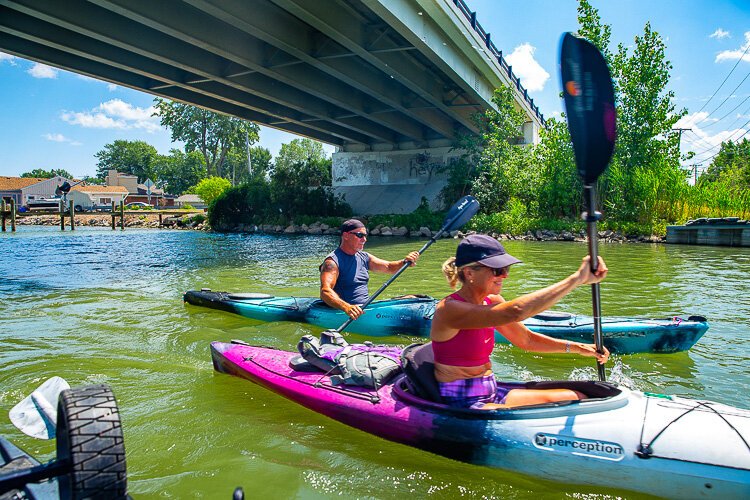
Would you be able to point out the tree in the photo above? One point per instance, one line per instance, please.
(40, 173)
(300, 152)
(213, 134)
(731, 164)
(130, 157)
(239, 170)
(178, 171)
(210, 188)
(646, 160)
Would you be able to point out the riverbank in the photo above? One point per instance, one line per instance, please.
(198, 222)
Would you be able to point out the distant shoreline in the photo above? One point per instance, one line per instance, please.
(147, 220)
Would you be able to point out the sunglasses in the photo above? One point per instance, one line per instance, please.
(496, 271)
(361, 236)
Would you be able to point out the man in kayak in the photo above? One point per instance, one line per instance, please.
(464, 322)
(345, 272)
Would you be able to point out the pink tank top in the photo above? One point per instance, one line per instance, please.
(470, 347)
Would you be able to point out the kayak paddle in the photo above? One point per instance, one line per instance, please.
(592, 121)
(459, 214)
(36, 414)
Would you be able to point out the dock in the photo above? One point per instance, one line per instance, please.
(727, 231)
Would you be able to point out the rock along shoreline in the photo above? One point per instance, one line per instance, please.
(317, 228)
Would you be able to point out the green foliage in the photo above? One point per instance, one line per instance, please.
(421, 217)
(301, 152)
(129, 157)
(188, 206)
(212, 134)
(40, 173)
(239, 170)
(731, 164)
(247, 203)
(210, 188)
(178, 171)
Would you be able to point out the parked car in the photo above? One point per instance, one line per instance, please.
(138, 205)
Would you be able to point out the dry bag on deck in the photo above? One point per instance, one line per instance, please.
(364, 365)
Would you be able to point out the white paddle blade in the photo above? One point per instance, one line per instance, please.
(36, 415)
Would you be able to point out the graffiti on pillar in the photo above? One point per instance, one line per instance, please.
(421, 165)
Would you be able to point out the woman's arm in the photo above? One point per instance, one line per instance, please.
(520, 336)
(457, 315)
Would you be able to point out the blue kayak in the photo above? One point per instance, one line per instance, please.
(413, 316)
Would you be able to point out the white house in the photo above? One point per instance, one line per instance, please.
(190, 199)
(25, 189)
(88, 197)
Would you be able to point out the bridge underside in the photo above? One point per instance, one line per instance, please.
(331, 70)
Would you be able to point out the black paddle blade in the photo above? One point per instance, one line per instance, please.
(460, 213)
(589, 105)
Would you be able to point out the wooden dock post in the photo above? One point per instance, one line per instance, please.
(62, 216)
(72, 221)
(122, 215)
(113, 216)
(2, 215)
(160, 221)
(13, 214)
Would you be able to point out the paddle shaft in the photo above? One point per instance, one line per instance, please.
(592, 216)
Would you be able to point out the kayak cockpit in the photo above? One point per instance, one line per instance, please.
(418, 387)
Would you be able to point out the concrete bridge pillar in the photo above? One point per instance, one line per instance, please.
(391, 182)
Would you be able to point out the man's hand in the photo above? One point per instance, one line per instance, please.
(412, 258)
(354, 311)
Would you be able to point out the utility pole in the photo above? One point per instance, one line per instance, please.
(680, 131)
(695, 172)
(249, 161)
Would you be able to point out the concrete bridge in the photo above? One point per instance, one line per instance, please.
(391, 83)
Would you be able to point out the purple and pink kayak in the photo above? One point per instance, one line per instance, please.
(656, 444)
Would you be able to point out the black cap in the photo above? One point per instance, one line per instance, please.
(351, 225)
(484, 250)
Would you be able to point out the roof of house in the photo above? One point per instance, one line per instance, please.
(189, 198)
(101, 189)
(142, 189)
(14, 183)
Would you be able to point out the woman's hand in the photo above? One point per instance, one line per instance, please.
(586, 277)
(590, 350)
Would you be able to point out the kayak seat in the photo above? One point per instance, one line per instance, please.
(418, 363)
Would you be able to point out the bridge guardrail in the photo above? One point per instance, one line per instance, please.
(471, 16)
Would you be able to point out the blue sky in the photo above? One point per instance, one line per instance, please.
(55, 119)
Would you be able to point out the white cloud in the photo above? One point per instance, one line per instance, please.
(7, 57)
(719, 34)
(39, 70)
(112, 87)
(55, 137)
(114, 114)
(733, 55)
(531, 73)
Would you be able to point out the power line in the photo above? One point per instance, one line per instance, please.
(725, 79)
(728, 96)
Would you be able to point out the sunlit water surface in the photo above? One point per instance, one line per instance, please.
(102, 306)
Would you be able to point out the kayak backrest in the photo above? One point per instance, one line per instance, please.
(418, 362)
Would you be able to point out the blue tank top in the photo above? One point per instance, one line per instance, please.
(354, 274)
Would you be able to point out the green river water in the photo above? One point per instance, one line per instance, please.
(102, 306)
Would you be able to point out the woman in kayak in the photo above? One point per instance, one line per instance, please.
(464, 322)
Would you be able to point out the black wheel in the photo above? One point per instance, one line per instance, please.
(78, 208)
(89, 437)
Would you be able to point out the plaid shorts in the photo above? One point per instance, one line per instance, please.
(472, 393)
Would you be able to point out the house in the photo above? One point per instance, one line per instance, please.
(90, 197)
(190, 199)
(137, 192)
(25, 189)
